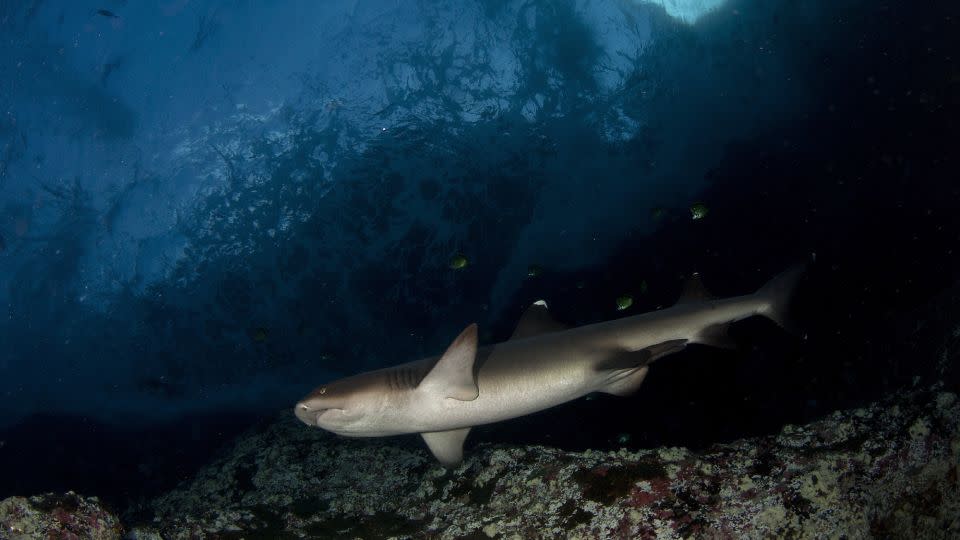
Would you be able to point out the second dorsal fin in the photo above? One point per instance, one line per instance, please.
(694, 291)
(536, 320)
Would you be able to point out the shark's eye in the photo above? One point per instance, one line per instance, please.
(323, 391)
(304, 407)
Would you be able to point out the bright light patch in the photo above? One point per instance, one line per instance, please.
(686, 10)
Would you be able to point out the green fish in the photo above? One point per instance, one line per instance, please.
(259, 334)
(534, 270)
(624, 302)
(698, 210)
(458, 262)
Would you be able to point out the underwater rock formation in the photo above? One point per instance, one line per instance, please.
(885, 470)
(57, 517)
(889, 469)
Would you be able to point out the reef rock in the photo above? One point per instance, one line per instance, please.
(57, 517)
(886, 470)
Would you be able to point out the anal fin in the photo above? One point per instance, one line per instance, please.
(447, 446)
(717, 335)
(624, 382)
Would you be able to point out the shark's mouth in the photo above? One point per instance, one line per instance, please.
(312, 416)
(338, 413)
(307, 415)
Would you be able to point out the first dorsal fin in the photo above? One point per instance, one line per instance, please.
(452, 376)
(694, 291)
(536, 320)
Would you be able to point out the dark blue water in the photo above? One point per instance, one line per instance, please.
(208, 208)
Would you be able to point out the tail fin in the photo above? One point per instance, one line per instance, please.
(778, 293)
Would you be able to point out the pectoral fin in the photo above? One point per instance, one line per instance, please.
(447, 446)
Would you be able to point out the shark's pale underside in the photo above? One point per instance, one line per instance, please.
(542, 365)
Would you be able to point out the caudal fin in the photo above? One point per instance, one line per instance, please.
(778, 293)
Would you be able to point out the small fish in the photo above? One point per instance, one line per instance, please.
(623, 438)
(160, 386)
(624, 302)
(303, 329)
(657, 212)
(107, 13)
(259, 334)
(643, 287)
(698, 210)
(534, 270)
(458, 262)
(109, 68)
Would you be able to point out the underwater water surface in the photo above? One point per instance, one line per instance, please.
(210, 208)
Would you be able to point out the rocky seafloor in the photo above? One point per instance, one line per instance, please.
(884, 470)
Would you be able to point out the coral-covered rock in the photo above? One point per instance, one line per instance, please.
(889, 469)
(57, 517)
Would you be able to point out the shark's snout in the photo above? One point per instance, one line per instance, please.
(306, 414)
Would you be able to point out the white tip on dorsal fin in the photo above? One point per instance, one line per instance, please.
(452, 376)
(536, 320)
(447, 446)
(694, 291)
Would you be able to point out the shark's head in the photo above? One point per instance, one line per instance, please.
(342, 406)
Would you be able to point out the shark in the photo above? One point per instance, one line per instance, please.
(543, 364)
